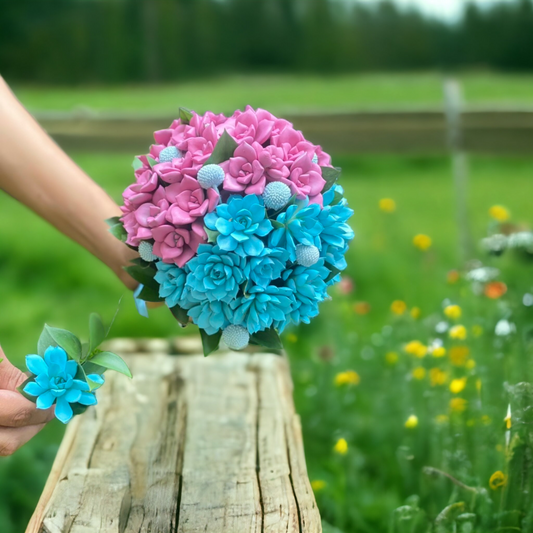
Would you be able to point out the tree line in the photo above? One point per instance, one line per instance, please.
(118, 41)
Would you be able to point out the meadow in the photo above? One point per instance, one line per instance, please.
(397, 438)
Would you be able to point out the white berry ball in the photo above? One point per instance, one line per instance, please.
(276, 195)
(210, 176)
(146, 252)
(168, 154)
(236, 337)
(307, 255)
(315, 159)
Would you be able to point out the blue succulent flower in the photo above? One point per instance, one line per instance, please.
(336, 233)
(263, 307)
(267, 267)
(308, 286)
(334, 195)
(55, 383)
(297, 225)
(211, 316)
(171, 279)
(215, 274)
(240, 222)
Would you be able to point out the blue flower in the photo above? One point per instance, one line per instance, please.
(309, 288)
(55, 383)
(211, 316)
(240, 223)
(263, 307)
(267, 267)
(215, 274)
(171, 279)
(334, 195)
(336, 233)
(297, 225)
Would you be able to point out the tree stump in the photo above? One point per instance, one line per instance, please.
(191, 444)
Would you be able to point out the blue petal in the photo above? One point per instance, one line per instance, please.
(87, 399)
(33, 389)
(142, 309)
(36, 365)
(227, 243)
(253, 246)
(80, 385)
(224, 226)
(45, 401)
(63, 410)
(210, 219)
(97, 379)
(73, 395)
(43, 381)
(54, 355)
(71, 368)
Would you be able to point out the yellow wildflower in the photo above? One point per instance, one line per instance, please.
(486, 420)
(341, 447)
(453, 277)
(453, 311)
(459, 355)
(349, 377)
(477, 330)
(458, 385)
(442, 419)
(508, 419)
(439, 351)
(415, 312)
(411, 422)
(391, 358)
(291, 337)
(318, 484)
(422, 242)
(470, 364)
(499, 213)
(416, 348)
(419, 373)
(458, 332)
(398, 307)
(437, 377)
(497, 480)
(458, 405)
(387, 205)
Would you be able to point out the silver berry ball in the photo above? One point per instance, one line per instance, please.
(307, 255)
(168, 154)
(236, 337)
(210, 176)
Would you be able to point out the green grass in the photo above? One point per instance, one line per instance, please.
(284, 93)
(47, 278)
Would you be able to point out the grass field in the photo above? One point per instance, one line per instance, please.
(283, 93)
(45, 277)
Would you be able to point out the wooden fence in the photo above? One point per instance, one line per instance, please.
(408, 131)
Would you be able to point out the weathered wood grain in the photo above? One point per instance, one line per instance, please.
(191, 444)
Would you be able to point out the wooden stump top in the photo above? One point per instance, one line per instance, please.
(191, 444)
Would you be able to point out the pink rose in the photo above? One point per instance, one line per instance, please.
(142, 190)
(293, 144)
(200, 122)
(324, 159)
(189, 201)
(202, 147)
(177, 169)
(251, 166)
(252, 126)
(178, 245)
(306, 179)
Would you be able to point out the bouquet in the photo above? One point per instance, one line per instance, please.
(239, 224)
(66, 372)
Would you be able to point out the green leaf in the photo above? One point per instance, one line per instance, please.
(66, 340)
(45, 340)
(96, 331)
(180, 315)
(111, 361)
(144, 275)
(185, 115)
(211, 234)
(210, 342)
(151, 161)
(269, 338)
(113, 221)
(84, 350)
(78, 408)
(91, 368)
(277, 224)
(149, 294)
(333, 272)
(331, 175)
(337, 197)
(25, 394)
(224, 149)
(137, 163)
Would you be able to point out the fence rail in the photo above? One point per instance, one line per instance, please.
(483, 130)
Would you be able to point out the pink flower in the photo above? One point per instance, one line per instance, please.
(324, 159)
(201, 148)
(293, 144)
(178, 245)
(200, 122)
(251, 166)
(143, 189)
(306, 179)
(189, 201)
(177, 169)
(252, 126)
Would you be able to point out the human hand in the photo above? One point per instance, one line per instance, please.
(20, 420)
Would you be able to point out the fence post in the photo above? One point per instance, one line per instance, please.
(453, 107)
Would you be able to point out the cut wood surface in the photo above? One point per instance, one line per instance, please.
(191, 444)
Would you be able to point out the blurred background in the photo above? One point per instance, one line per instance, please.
(413, 384)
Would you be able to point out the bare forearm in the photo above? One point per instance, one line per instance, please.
(35, 171)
